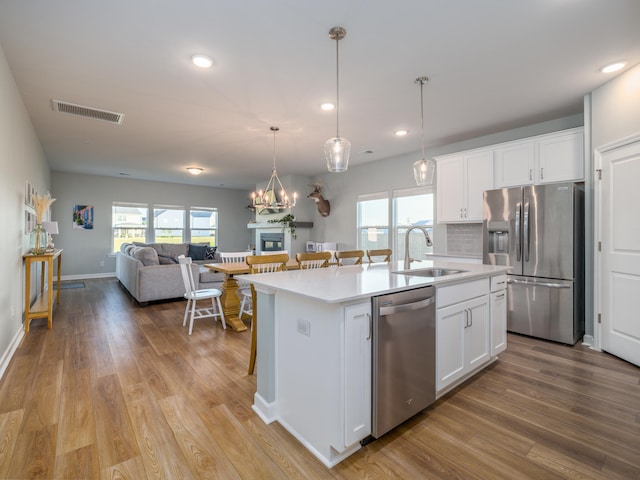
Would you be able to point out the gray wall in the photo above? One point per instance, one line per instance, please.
(22, 159)
(85, 249)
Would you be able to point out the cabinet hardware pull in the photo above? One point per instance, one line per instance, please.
(370, 327)
(531, 174)
(542, 173)
(500, 296)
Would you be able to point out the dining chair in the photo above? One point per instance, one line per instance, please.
(313, 260)
(261, 264)
(385, 253)
(353, 257)
(193, 295)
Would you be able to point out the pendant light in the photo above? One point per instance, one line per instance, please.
(423, 170)
(271, 198)
(337, 149)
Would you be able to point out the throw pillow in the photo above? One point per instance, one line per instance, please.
(167, 259)
(210, 253)
(147, 255)
(196, 252)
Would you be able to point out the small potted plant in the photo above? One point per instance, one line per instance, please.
(288, 221)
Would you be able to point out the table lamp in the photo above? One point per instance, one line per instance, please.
(52, 229)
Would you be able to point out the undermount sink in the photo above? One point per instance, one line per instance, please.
(430, 272)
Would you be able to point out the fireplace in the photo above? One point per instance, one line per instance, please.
(271, 242)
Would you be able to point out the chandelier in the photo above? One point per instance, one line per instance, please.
(337, 149)
(274, 197)
(423, 170)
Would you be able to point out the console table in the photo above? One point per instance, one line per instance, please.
(43, 305)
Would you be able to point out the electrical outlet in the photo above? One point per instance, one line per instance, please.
(304, 327)
(102, 263)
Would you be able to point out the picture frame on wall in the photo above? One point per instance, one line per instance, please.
(28, 194)
(83, 217)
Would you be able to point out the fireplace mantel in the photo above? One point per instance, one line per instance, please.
(260, 225)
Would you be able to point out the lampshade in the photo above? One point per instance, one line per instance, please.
(336, 149)
(50, 227)
(423, 169)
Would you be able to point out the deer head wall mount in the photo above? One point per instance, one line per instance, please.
(324, 207)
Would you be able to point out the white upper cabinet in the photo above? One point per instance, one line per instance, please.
(561, 156)
(460, 181)
(513, 164)
(554, 157)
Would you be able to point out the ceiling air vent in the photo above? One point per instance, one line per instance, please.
(88, 112)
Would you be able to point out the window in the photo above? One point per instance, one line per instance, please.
(168, 224)
(203, 225)
(412, 206)
(129, 223)
(373, 221)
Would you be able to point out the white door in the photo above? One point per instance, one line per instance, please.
(618, 270)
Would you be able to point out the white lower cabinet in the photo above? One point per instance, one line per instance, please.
(357, 372)
(498, 314)
(462, 331)
(323, 373)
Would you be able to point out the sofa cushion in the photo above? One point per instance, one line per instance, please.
(167, 258)
(147, 255)
(197, 252)
(210, 254)
(172, 248)
(209, 276)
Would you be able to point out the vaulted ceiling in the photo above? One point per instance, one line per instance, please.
(492, 64)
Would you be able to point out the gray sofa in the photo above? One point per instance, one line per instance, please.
(150, 271)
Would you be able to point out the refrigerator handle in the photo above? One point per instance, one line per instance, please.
(525, 232)
(518, 244)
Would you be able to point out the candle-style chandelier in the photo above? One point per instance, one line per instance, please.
(274, 197)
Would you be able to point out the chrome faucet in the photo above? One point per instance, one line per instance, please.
(407, 259)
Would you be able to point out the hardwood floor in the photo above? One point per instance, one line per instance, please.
(122, 392)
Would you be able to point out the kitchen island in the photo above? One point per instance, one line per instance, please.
(314, 334)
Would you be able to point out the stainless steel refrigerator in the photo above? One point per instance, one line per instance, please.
(538, 231)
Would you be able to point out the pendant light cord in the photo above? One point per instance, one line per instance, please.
(337, 89)
(422, 114)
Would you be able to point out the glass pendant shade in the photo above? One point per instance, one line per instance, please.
(424, 171)
(337, 151)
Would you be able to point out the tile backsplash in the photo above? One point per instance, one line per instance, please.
(464, 239)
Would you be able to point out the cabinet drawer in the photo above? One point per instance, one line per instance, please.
(499, 282)
(450, 294)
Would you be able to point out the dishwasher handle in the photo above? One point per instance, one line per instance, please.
(407, 307)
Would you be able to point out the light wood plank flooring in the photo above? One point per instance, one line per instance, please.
(115, 391)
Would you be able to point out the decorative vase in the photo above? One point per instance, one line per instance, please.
(38, 240)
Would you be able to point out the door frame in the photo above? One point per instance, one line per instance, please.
(599, 152)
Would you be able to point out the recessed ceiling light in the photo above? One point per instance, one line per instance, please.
(194, 170)
(327, 106)
(202, 61)
(614, 67)
(401, 133)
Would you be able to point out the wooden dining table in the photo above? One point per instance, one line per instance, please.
(229, 299)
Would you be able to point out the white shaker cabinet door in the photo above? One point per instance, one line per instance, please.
(357, 372)
(514, 164)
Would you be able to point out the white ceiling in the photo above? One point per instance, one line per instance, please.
(493, 65)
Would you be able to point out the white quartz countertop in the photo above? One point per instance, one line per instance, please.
(341, 284)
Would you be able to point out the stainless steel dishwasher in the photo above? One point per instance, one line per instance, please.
(404, 356)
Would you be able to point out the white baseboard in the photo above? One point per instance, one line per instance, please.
(8, 354)
(87, 276)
